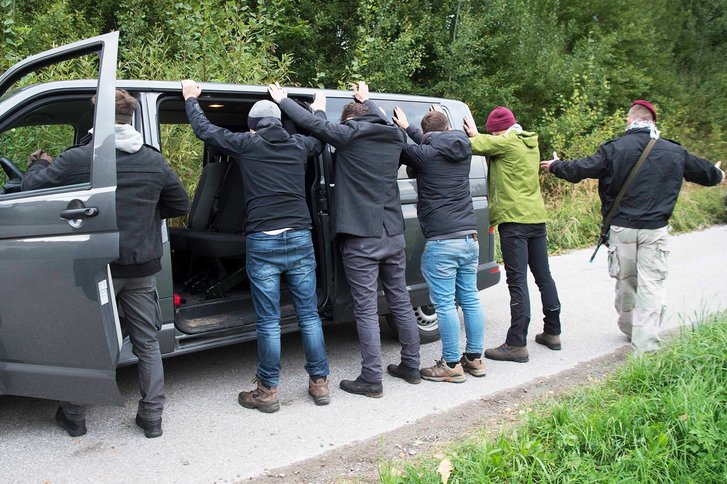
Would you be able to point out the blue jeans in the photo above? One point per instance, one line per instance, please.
(268, 258)
(450, 269)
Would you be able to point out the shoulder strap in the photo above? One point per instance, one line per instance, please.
(603, 238)
(627, 183)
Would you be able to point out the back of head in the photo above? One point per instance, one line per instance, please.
(354, 110)
(434, 121)
(642, 111)
(125, 106)
(500, 119)
(262, 109)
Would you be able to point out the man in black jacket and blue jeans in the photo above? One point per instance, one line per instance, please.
(367, 216)
(440, 161)
(637, 252)
(147, 191)
(278, 227)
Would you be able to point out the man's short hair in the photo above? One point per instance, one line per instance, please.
(125, 106)
(434, 121)
(640, 113)
(354, 110)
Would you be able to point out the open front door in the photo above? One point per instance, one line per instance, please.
(59, 334)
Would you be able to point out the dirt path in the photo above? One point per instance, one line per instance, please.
(358, 462)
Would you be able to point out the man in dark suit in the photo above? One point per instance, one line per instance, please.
(367, 217)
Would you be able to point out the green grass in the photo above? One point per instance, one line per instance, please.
(660, 418)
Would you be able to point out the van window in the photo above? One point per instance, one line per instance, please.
(52, 126)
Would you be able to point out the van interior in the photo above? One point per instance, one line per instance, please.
(211, 287)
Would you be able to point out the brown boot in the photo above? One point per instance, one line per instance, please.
(474, 367)
(262, 398)
(318, 389)
(505, 352)
(442, 372)
(552, 341)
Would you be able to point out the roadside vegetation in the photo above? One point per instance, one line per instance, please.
(660, 418)
(567, 68)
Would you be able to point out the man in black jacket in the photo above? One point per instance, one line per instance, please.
(367, 216)
(637, 253)
(278, 227)
(147, 191)
(441, 163)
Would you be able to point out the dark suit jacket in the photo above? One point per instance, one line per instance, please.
(367, 162)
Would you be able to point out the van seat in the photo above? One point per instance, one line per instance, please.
(216, 222)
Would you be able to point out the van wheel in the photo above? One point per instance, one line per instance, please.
(426, 321)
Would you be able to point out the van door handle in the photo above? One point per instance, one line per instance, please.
(77, 213)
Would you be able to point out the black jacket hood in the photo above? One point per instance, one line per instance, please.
(271, 130)
(453, 145)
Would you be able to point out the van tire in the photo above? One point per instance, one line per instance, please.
(426, 321)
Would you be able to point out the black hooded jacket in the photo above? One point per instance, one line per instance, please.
(441, 163)
(147, 191)
(650, 200)
(273, 164)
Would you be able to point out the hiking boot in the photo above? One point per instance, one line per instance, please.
(552, 341)
(442, 372)
(318, 389)
(75, 428)
(411, 375)
(262, 398)
(474, 367)
(152, 426)
(506, 352)
(361, 387)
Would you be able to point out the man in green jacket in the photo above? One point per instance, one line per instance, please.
(517, 209)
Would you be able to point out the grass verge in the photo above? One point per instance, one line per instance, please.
(660, 418)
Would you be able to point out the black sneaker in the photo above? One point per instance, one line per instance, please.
(75, 428)
(152, 427)
(361, 387)
(411, 375)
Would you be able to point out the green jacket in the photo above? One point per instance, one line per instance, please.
(513, 182)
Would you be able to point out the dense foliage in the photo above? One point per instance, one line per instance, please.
(567, 68)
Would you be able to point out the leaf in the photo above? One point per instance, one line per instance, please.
(445, 469)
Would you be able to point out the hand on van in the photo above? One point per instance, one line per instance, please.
(360, 91)
(40, 155)
(319, 103)
(400, 118)
(190, 88)
(276, 92)
(470, 127)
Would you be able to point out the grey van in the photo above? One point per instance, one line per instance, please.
(61, 334)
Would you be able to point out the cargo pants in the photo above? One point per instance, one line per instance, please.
(637, 259)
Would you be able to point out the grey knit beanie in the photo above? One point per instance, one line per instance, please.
(262, 109)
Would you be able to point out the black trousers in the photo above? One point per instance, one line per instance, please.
(525, 245)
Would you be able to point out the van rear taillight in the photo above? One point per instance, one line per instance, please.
(496, 269)
(492, 230)
(177, 300)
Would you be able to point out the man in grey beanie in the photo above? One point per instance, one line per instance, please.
(278, 227)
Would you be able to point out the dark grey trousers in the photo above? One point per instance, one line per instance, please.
(139, 302)
(365, 259)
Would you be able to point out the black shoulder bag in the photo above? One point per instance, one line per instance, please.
(606, 227)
